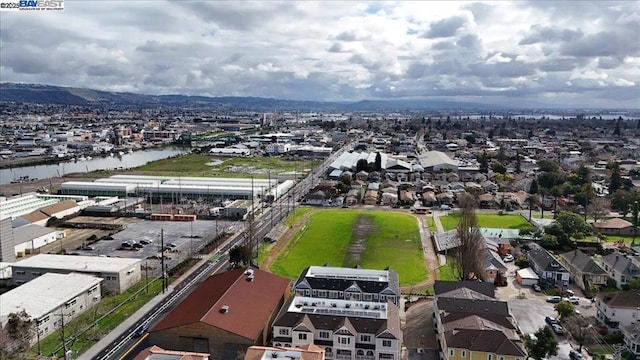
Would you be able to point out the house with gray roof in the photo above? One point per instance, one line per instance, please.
(548, 267)
(621, 268)
(349, 284)
(584, 270)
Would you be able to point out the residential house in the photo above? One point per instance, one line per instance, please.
(317, 197)
(486, 201)
(224, 315)
(584, 270)
(361, 175)
(346, 283)
(614, 226)
(370, 197)
(495, 271)
(489, 186)
(631, 336)
(620, 268)
(352, 198)
(471, 324)
(547, 267)
(618, 310)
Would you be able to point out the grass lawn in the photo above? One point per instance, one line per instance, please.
(626, 238)
(53, 343)
(371, 239)
(205, 165)
(448, 272)
(486, 221)
(297, 214)
(431, 224)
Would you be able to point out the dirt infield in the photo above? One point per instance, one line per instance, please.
(361, 230)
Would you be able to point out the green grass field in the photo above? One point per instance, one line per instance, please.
(448, 272)
(371, 239)
(450, 221)
(201, 165)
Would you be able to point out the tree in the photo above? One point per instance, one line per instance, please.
(549, 241)
(378, 163)
(615, 182)
(533, 189)
(616, 130)
(599, 208)
(556, 192)
(568, 226)
(362, 165)
(239, 255)
(483, 162)
(634, 284)
(544, 345)
(469, 253)
(531, 202)
(499, 168)
(565, 309)
(20, 330)
(518, 164)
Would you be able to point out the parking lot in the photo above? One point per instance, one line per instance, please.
(177, 238)
(529, 309)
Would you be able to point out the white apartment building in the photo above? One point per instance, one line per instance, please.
(345, 329)
(118, 273)
(618, 310)
(51, 297)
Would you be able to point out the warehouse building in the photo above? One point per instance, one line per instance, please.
(118, 273)
(30, 237)
(167, 188)
(49, 297)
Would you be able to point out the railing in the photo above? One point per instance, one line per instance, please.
(365, 357)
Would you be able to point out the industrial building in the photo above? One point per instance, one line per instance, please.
(118, 273)
(49, 297)
(30, 237)
(165, 188)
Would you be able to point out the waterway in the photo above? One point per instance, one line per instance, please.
(124, 161)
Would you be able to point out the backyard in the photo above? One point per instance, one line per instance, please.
(370, 239)
(450, 221)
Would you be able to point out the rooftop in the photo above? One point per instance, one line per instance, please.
(351, 308)
(347, 273)
(78, 263)
(45, 293)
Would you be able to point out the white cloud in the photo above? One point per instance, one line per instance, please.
(581, 52)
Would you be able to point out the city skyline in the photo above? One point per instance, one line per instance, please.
(568, 54)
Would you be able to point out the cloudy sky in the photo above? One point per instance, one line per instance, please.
(573, 53)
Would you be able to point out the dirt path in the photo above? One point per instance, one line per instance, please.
(279, 245)
(430, 257)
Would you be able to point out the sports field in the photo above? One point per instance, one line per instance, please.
(371, 239)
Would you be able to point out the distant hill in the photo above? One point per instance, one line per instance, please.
(46, 94)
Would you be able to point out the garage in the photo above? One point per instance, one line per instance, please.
(527, 277)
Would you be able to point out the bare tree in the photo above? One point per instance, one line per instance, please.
(599, 208)
(469, 255)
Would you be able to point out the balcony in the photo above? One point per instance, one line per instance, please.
(365, 357)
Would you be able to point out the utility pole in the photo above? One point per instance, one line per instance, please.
(162, 260)
(64, 341)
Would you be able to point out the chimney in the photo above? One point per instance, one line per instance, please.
(224, 309)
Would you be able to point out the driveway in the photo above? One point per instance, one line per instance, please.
(529, 309)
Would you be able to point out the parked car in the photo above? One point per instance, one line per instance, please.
(569, 293)
(138, 245)
(574, 300)
(145, 242)
(172, 245)
(574, 355)
(549, 320)
(126, 244)
(88, 248)
(140, 331)
(557, 329)
(537, 288)
(508, 258)
(554, 299)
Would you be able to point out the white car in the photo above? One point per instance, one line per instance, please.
(574, 300)
(508, 258)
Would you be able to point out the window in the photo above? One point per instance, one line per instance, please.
(283, 331)
(302, 336)
(451, 352)
(322, 293)
(490, 357)
(343, 340)
(387, 343)
(323, 334)
(20, 272)
(464, 353)
(367, 296)
(500, 357)
(365, 338)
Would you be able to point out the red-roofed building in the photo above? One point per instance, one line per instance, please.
(225, 315)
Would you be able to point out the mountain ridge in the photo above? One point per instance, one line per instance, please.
(59, 95)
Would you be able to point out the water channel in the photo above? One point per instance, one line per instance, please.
(117, 161)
